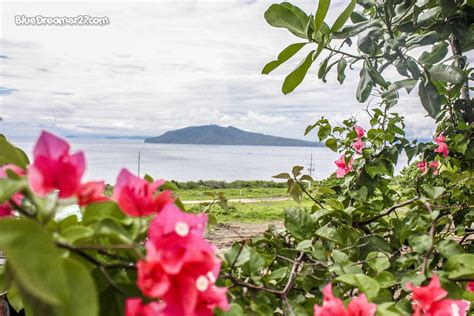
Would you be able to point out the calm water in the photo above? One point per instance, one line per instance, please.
(106, 157)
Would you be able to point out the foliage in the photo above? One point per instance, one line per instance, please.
(382, 244)
(373, 234)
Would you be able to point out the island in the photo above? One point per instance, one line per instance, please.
(219, 135)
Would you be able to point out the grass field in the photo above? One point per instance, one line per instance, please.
(199, 194)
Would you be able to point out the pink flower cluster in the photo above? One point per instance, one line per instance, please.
(442, 149)
(430, 300)
(358, 144)
(180, 268)
(344, 167)
(55, 169)
(434, 165)
(333, 306)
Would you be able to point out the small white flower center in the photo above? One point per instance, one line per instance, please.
(182, 229)
(455, 309)
(202, 283)
(211, 277)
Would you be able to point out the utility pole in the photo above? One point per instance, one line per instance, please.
(139, 161)
(311, 169)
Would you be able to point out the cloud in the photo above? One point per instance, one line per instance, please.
(161, 66)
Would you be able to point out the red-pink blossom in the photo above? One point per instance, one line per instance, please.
(134, 307)
(6, 208)
(470, 286)
(180, 266)
(358, 145)
(360, 131)
(430, 300)
(54, 168)
(422, 166)
(91, 192)
(442, 146)
(343, 168)
(333, 306)
(138, 197)
(434, 165)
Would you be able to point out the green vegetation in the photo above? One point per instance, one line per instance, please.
(251, 212)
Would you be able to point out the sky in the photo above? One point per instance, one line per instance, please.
(165, 65)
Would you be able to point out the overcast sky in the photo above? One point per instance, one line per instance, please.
(161, 66)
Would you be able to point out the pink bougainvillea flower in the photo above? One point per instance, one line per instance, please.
(138, 197)
(422, 166)
(434, 165)
(343, 168)
(6, 208)
(172, 220)
(427, 295)
(442, 146)
(134, 307)
(333, 306)
(91, 192)
(359, 306)
(470, 286)
(358, 145)
(448, 307)
(54, 168)
(430, 300)
(360, 131)
(180, 266)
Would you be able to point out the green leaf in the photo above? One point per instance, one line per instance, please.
(378, 261)
(14, 297)
(363, 282)
(385, 279)
(8, 187)
(285, 54)
(460, 266)
(298, 222)
(321, 12)
(330, 233)
(430, 99)
(294, 79)
(420, 243)
(331, 143)
(99, 211)
(408, 84)
(376, 76)
(305, 244)
(433, 192)
(283, 175)
(255, 264)
(278, 274)
(449, 248)
(438, 52)
(296, 171)
(43, 277)
(11, 154)
(236, 256)
(287, 16)
(341, 68)
(447, 73)
(377, 167)
(343, 17)
(365, 85)
(83, 296)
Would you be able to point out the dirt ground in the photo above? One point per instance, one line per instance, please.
(223, 235)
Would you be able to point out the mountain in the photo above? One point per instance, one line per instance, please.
(218, 135)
